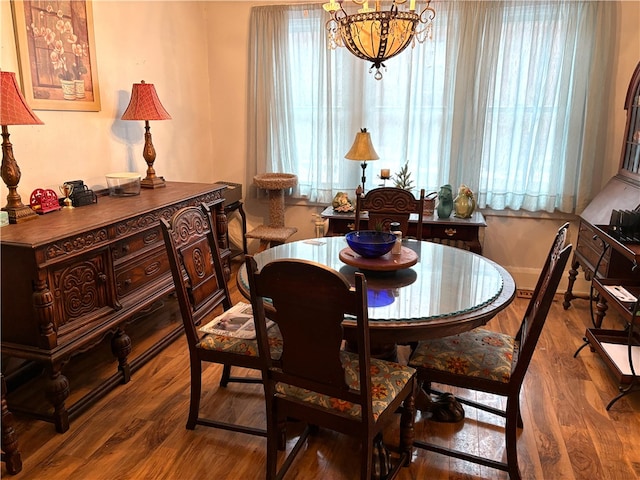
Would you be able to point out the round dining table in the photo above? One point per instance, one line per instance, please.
(447, 291)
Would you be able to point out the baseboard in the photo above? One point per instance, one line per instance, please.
(526, 279)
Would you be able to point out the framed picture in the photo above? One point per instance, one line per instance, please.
(57, 55)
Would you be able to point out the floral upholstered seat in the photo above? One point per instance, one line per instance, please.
(387, 380)
(242, 346)
(478, 353)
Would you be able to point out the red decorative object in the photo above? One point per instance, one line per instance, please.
(145, 105)
(44, 201)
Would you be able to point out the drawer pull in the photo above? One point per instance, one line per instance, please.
(102, 277)
(450, 232)
(127, 282)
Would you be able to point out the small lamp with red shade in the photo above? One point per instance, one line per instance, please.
(145, 105)
(13, 111)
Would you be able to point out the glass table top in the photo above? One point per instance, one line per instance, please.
(445, 282)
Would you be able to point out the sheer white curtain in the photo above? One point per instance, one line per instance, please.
(506, 97)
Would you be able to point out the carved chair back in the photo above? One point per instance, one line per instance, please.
(389, 204)
(197, 270)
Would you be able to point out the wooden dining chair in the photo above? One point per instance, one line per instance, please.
(389, 204)
(202, 292)
(317, 382)
(493, 362)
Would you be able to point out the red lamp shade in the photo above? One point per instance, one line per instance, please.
(13, 107)
(145, 104)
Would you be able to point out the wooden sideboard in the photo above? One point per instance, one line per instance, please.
(72, 277)
(457, 232)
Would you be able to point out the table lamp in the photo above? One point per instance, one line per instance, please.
(361, 151)
(145, 105)
(13, 111)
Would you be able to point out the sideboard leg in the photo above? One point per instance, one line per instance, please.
(121, 348)
(10, 452)
(57, 391)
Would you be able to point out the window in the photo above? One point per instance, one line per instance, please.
(505, 98)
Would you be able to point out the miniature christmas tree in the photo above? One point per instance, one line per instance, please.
(402, 179)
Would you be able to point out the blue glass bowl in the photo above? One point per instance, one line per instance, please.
(370, 243)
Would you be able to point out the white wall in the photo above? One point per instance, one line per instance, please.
(163, 43)
(195, 53)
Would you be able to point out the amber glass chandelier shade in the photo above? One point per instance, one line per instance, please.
(13, 106)
(380, 31)
(145, 104)
(365, 37)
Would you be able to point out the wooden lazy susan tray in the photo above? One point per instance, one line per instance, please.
(386, 263)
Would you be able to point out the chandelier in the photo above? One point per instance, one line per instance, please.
(376, 34)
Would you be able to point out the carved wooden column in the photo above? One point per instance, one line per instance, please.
(43, 305)
(221, 233)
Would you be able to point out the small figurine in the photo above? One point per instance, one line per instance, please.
(445, 201)
(464, 203)
(341, 203)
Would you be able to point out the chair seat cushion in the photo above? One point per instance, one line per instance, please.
(478, 353)
(243, 346)
(387, 380)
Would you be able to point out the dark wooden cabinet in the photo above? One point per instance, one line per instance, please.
(610, 262)
(72, 277)
(622, 192)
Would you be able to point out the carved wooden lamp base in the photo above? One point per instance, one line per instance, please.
(149, 154)
(18, 212)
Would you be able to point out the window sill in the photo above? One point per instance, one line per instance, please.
(487, 212)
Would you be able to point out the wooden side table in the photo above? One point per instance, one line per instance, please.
(453, 231)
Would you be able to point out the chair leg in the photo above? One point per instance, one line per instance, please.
(520, 424)
(366, 460)
(196, 389)
(407, 423)
(275, 436)
(511, 439)
(226, 374)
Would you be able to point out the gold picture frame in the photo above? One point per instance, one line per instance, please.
(57, 56)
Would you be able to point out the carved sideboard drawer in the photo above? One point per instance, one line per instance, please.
(83, 295)
(451, 232)
(145, 270)
(136, 243)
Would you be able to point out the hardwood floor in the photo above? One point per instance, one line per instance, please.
(137, 431)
